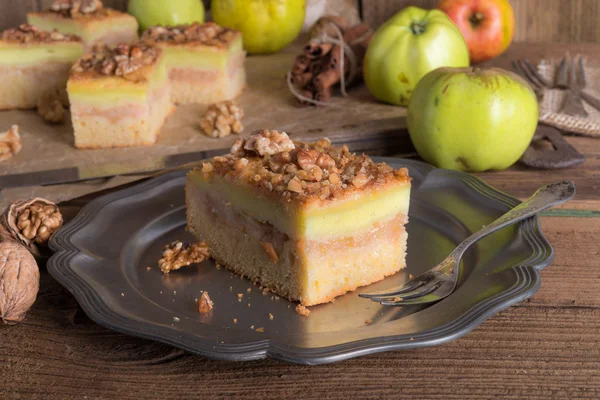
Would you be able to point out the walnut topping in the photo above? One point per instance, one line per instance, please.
(208, 34)
(301, 310)
(178, 254)
(265, 142)
(51, 109)
(222, 119)
(120, 60)
(76, 8)
(26, 33)
(301, 172)
(10, 143)
(205, 304)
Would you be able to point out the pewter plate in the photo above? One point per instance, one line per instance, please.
(107, 257)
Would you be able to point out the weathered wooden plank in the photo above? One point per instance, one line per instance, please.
(536, 20)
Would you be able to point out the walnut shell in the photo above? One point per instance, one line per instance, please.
(32, 222)
(19, 281)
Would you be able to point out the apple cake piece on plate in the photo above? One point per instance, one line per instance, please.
(35, 64)
(88, 19)
(205, 61)
(119, 96)
(308, 221)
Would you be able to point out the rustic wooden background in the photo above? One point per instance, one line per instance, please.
(537, 20)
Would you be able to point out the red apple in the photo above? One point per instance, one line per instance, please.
(488, 26)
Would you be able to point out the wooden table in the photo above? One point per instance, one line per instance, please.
(546, 347)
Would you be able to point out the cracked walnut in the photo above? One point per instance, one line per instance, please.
(179, 254)
(222, 119)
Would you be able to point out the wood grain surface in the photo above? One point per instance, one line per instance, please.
(536, 20)
(544, 348)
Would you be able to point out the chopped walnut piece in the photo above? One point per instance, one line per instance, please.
(301, 310)
(26, 33)
(261, 329)
(76, 8)
(270, 251)
(121, 60)
(265, 142)
(179, 254)
(368, 321)
(10, 143)
(222, 119)
(51, 109)
(207, 34)
(301, 172)
(205, 304)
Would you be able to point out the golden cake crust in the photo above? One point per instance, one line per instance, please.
(191, 35)
(26, 34)
(300, 173)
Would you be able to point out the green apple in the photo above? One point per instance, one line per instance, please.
(267, 26)
(161, 12)
(409, 45)
(472, 119)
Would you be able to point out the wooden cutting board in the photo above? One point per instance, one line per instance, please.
(357, 120)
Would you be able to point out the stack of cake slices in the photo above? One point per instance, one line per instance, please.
(120, 88)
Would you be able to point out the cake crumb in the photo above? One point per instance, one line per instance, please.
(260, 329)
(122, 294)
(235, 320)
(397, 298)
(179, 254)
(410, 276)
(265, 290)
(148, 268)
(175, 319)
(240, 297)
(249, 290)
(205, 305)
(248, 304)
(368, 321)
(251, 326)
(301, 310)
(271, 316)
(411, 339)
(231, 288)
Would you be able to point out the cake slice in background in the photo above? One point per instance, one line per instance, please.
(88, 19)
(119, 96)
(35, 64)
(308, 221)
(205, 61)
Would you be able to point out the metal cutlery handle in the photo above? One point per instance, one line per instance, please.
(546, 197)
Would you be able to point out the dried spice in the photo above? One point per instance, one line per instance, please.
(19, 280)
(10, 143)
(179, 254)
(334, 55)
(222, 119)
(32, 222)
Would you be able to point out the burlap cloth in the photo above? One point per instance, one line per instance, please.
(553, 99)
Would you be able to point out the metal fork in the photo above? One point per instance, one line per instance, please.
(441, 280)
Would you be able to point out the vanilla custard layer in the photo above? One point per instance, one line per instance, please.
(338, 218)
(108, 91)
(21, 55)
(114, 29)
(201, 57)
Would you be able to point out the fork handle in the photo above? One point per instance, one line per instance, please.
(544, 198)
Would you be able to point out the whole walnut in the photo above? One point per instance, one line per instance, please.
(19, 281)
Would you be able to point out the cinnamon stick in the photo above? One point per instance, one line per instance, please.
(315, 50)
(301, 64)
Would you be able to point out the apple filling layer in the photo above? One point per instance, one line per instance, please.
(309, 247)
